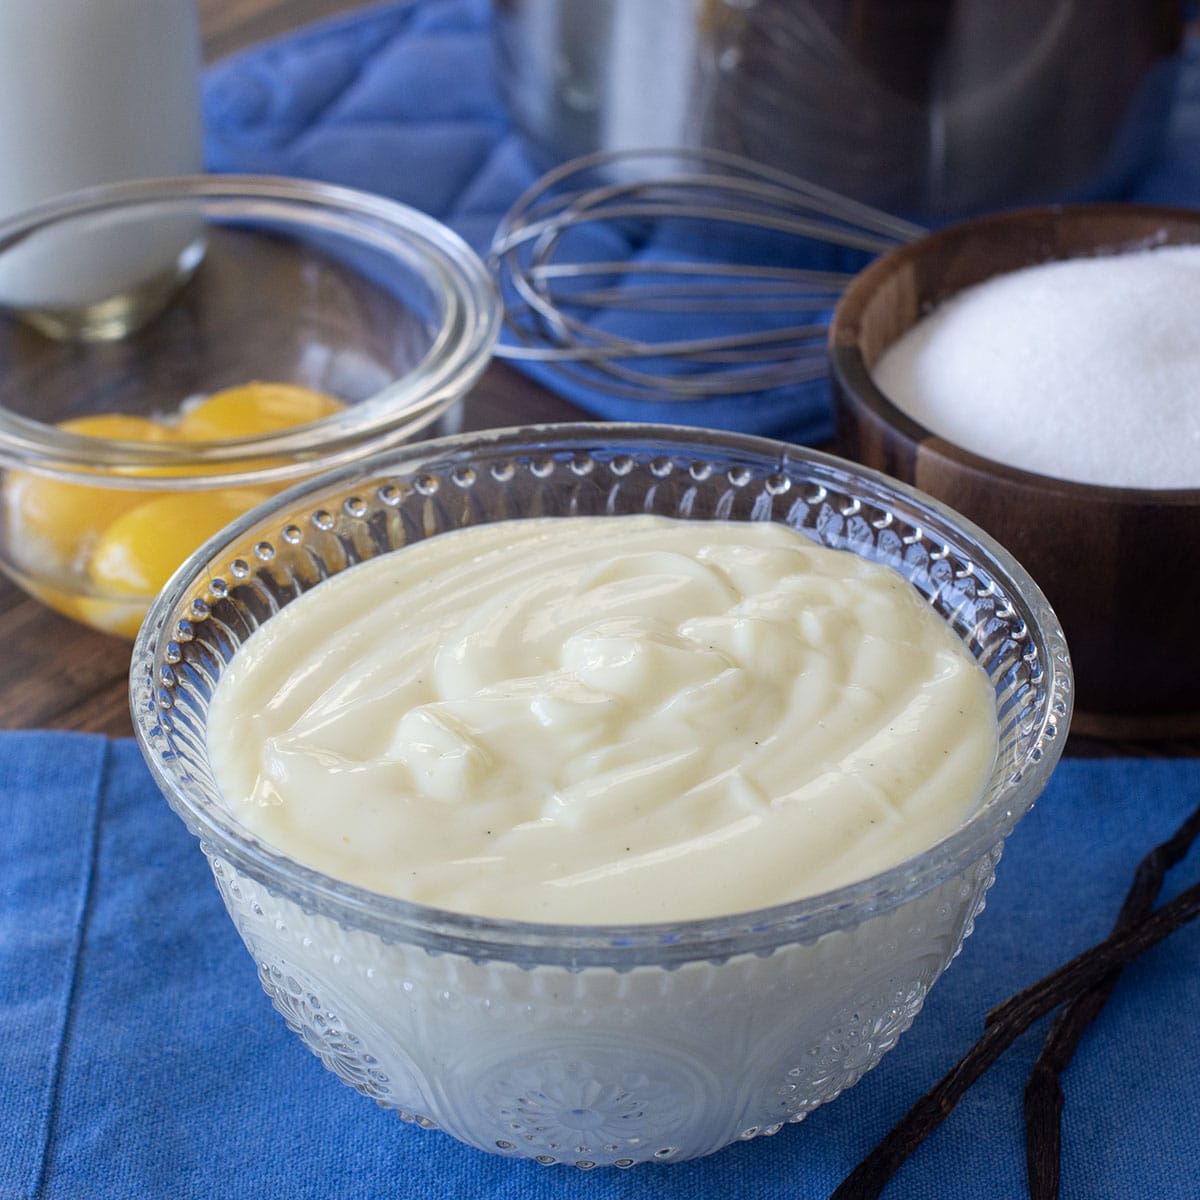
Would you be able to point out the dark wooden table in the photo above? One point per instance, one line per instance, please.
(55, 674)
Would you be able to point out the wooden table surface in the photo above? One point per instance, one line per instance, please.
(55, 674)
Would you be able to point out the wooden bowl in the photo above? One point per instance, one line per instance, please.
(1121, 566)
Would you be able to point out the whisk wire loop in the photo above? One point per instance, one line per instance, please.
(726, 272)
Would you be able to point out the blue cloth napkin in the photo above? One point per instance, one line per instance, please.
(141, 1059)
(401, 99)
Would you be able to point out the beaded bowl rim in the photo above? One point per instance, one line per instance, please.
(1011, 790)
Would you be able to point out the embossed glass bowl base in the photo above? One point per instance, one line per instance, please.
(598, 1045)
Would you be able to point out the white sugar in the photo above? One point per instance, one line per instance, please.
(1087, 369)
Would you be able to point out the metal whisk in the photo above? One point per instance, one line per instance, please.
(679, 274)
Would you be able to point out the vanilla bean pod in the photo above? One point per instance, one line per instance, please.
(1043, 1091)
(1002, 1026)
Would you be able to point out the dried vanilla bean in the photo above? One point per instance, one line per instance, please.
(1002, 1026)
(1043, 1091)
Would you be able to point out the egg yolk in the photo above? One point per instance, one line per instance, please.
(252, 410)
(127, 542)
(56, 524)
(138, 552)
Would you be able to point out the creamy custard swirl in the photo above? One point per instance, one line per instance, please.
(604, 720)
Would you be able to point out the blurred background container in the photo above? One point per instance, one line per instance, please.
(926, 108)
(95, 92)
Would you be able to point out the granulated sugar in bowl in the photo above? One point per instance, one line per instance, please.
(1086, 369)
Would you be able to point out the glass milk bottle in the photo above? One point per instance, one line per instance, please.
(95, 92)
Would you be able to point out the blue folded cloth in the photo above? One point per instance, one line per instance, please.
(141, 1059)
(402, 100)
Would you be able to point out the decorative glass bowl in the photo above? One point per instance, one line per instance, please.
(125, 306)
(598, 1045)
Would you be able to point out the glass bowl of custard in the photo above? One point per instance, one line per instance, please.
(601, 794)
(176, 351)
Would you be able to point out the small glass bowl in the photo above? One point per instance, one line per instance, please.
(140, 299)
(598, 1045)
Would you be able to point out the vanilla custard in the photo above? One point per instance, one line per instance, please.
(595, 720)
